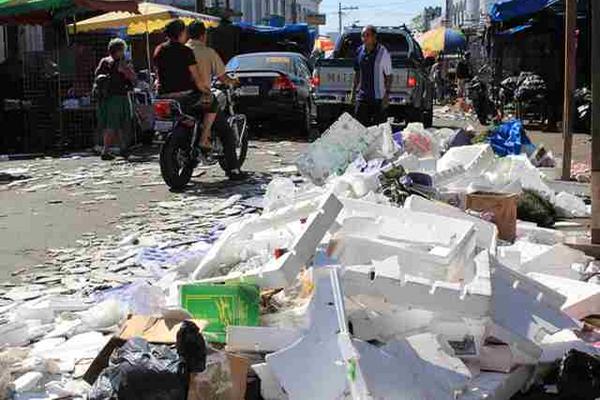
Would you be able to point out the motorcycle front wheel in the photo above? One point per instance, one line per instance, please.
(175, 163)
(242, 136)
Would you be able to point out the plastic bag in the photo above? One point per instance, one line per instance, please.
(579, 376)
(104, 315)
(191, 347)
(138, 370)
(570, 206)
(418, 141)
(334, 150)
(510, 138)
(280, 192)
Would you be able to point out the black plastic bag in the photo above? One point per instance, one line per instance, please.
(138, 370)
(579, 376)
(191, 347)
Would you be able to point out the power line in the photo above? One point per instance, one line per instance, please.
(341, 12)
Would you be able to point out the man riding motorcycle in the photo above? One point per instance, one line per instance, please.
(181, 80)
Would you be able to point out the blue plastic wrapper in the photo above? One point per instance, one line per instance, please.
(510, 138)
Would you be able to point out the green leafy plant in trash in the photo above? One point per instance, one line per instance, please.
(532, 207)
(392, 187)
(396, 186)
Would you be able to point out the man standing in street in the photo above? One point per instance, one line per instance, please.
(463, 74)
(372, 79)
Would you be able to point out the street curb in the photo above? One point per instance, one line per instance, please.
(15, 157)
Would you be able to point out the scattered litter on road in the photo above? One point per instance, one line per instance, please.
(402, 252)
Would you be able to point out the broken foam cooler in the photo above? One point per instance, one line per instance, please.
(222, 306)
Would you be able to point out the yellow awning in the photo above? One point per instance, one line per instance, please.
(151, 17)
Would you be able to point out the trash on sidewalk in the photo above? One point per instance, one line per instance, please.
(382, 270)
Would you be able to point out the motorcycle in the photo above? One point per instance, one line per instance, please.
(180, 153)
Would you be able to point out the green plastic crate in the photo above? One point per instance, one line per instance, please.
(222, 305)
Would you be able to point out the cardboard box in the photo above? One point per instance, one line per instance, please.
(155, 330)
(225, 378)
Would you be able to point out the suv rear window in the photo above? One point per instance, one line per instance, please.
(396, 43)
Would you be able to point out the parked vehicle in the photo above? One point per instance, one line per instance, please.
(180, 152)
(411, 97)
(274, 87)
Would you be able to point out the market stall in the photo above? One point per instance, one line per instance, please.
(151, 17)
(46, 72)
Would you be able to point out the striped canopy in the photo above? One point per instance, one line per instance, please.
(41, 11)
(151, 17)
(444, 40)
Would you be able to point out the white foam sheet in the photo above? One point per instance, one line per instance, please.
(474, 159)
(269, 386)
(524, 311)
(582, 298)
(282, 272)
(384, 281)
(554, 347)
(259, 338)
(426, 245)
(312, 367)
(557, 261)
(226, 250)
(486, 232)
(497, 385)
(417, 368)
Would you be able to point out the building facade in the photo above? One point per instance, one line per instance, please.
(430, 16)
(467, 13)
(257, 11)
(260, 11)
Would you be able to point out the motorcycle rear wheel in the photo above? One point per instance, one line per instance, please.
(175, 165)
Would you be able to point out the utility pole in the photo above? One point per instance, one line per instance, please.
(294, 11)
(595, 14)
(570, 65)
(341, 12)
(200, 6)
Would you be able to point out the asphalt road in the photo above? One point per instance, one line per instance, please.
(78, 196)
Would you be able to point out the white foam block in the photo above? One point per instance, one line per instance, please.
(583, 298)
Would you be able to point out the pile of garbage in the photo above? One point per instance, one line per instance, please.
(530, 86)
(397, 269)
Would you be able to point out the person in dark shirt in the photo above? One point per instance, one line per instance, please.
(175, 63)
(114, 110)
(180, 78)
(372, 79)
(463, 74)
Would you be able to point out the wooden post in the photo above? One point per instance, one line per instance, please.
(595, 122)
(569, 85)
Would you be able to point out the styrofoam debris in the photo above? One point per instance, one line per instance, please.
(525, 310)
(570, 206)
(487, 233)
(582, 298)
(557, 260)
(421, 280)
(27, 381)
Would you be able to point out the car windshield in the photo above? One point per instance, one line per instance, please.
(395, 43)
(261, 62)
